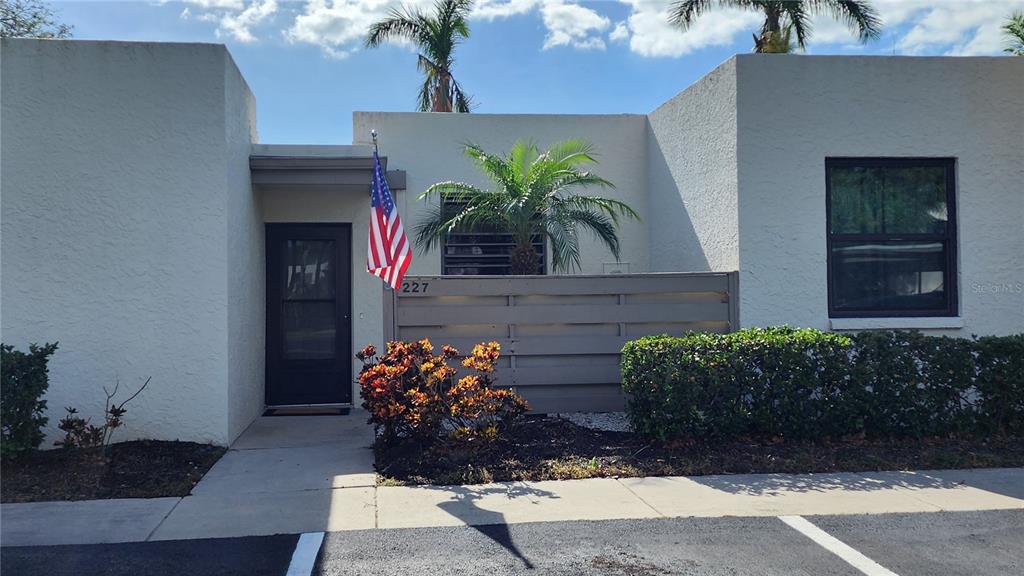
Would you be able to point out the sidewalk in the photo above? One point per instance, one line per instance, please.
(319, 477)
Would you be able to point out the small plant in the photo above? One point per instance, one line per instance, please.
(80, 433)
(24, 381)
(410, 392)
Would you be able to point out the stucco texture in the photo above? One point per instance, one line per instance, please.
(114, 188)
(795, 111)
(429, 147)
(692, 177)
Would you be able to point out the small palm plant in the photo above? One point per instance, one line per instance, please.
(1014, 31)
(535, 196)
(436, 35)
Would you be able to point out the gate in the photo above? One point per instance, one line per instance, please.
(560, 336)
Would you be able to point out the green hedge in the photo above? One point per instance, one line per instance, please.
(807, 384)
(25, 378)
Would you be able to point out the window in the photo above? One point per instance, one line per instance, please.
(891, 237)
(482, 252)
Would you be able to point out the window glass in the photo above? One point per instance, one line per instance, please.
(888, 200)
(310, 270)
(309, 330)
(891, 237)
(888, 275)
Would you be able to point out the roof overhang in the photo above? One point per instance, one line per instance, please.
(335, 168)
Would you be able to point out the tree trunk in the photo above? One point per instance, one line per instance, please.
(443, 92)
(525, 260)
(771, 29)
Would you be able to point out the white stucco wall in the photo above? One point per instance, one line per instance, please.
(692, 177)
(794, 111)
(246, 260)
(115, 180)
(429, 148)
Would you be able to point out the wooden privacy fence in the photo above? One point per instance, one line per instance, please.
(560, 336)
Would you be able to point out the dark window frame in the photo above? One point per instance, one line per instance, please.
(505, 263)
(948, 238)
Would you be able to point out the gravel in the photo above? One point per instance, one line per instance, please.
(607, 421)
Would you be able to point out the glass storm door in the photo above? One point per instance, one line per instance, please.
(309, 337)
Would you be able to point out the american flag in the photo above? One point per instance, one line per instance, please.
(387, 254)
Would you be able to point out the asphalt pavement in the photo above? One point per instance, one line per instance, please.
(988, 543)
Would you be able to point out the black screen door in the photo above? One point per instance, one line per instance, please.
(309, 311)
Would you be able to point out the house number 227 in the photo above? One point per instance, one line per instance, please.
(414, 287)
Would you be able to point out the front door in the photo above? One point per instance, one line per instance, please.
(309, 311)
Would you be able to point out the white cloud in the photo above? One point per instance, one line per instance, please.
(620, 32)
(239, 25)
(964, 27)
(570, 24)
(234, 18)
(493, 9)
(650, 33)
(338, 26)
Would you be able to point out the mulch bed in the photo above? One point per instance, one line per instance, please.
(555, 449)
(137, 469)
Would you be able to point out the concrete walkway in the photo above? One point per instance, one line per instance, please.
(314, 474)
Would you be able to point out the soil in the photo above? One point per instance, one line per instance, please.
(555, 449)
(137, 469)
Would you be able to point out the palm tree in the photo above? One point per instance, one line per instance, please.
(1014, 30)
(779, 43)
(437, 35)
(534, 198)
(858, 14)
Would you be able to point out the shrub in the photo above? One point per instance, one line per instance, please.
(758, 381)
(81, 433)
(24, 381)
(807, 383)
(912, 384)
(412, 393)
(1000, 381)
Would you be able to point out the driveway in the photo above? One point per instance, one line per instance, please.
(949, 543)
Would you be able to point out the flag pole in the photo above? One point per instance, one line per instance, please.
(373, 134)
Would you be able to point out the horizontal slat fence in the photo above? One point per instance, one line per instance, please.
(560, 336)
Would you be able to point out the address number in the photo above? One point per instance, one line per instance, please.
(414, 287)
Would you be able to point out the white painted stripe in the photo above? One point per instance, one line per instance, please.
(836, 546)
(305, 553)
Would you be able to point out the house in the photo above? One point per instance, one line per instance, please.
(140, 212)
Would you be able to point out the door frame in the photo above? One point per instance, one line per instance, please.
(346, 274)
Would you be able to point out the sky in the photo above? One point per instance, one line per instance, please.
(306, 65)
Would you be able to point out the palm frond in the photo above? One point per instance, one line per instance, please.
(530, 198)
(1013, 29)
(425, 100)
(859, 15)
(683, 13)
(400, 24)
(463, 102)
(564, 244)
(564, 182)
(611, 207)
(798, 22)
(451, 191)
(495, 167)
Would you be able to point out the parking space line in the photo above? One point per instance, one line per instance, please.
(836, 546)
(304, 557)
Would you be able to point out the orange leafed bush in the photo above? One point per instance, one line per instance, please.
(410, 392)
